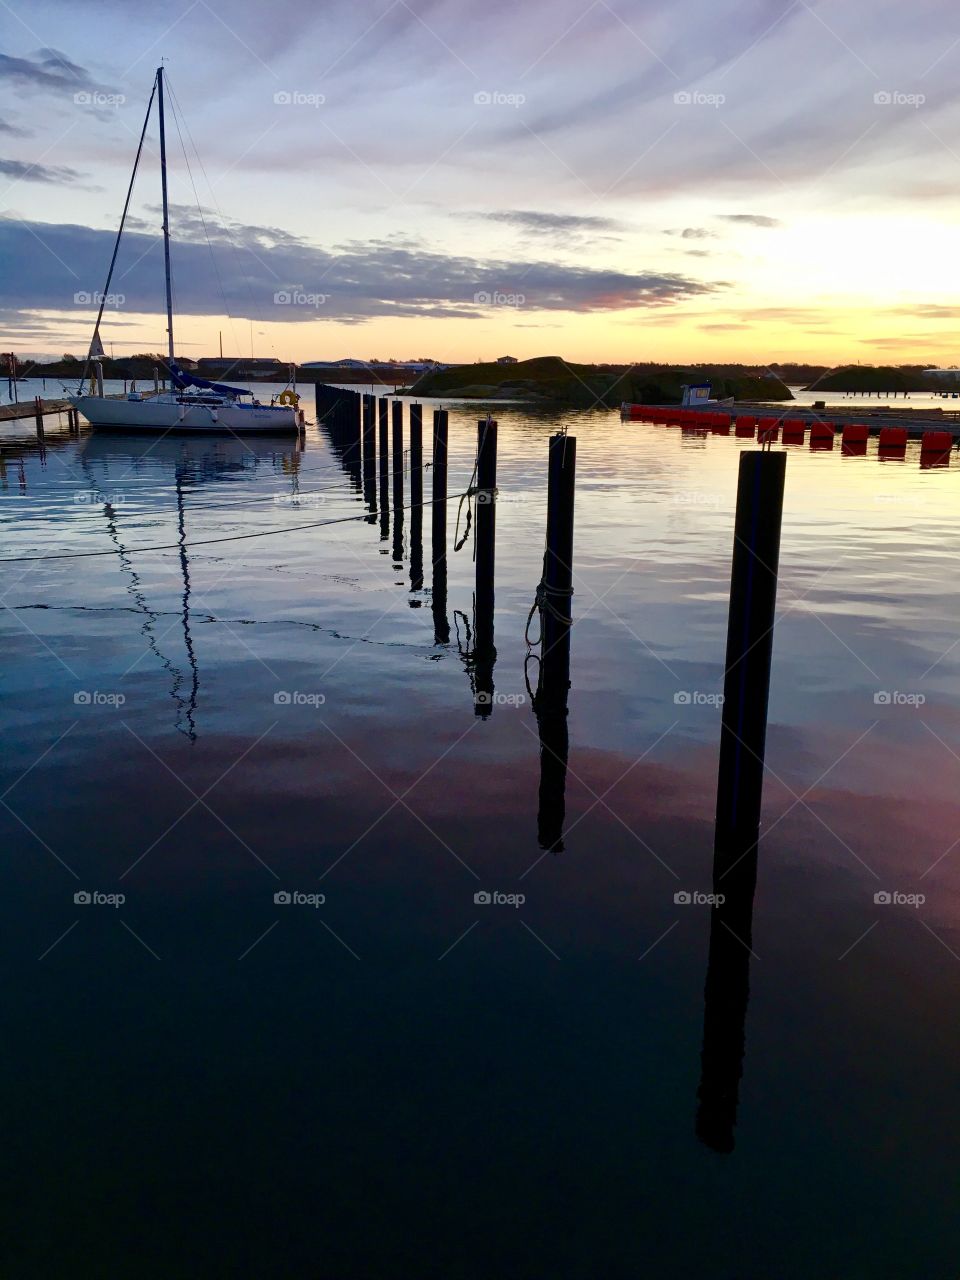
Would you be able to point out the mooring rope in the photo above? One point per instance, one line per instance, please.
(208, 542)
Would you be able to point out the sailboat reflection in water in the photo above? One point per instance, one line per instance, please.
(193, 464)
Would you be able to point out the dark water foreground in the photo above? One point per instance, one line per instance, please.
(204, 1080)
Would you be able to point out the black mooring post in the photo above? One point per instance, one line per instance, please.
(397, 442)
(416, 499)
(369, 458)
(38, 410)
(383, 444)
(746, 685)
(753, 591)
(550, 700)
(485, 653)
(555, 611)
(397, 481)
(441, 625)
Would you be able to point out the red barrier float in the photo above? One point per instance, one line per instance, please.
(934, 458)
(855, 433)
(893, 437)
(936, 442)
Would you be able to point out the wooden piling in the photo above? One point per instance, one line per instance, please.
(746, 689)
(397, 460)
(383, 434)
(555, 597)
(441, 625)
(557, 588)
(369, 457)
(38, 412)
(416, 497)
(485, 653)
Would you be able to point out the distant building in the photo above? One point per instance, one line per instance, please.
(238, 366)
(506, 359)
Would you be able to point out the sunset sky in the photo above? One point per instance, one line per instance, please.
(604, 181)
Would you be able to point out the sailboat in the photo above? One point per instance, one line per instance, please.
(192, 404)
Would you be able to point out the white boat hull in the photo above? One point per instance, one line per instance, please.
(167, 414)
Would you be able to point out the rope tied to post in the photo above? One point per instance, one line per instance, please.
(543, 598)
(473, 496)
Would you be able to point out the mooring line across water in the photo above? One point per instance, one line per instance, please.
(207, 542)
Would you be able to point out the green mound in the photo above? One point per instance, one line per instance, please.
(551, 379)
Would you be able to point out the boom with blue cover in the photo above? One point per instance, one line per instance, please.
(183, 379)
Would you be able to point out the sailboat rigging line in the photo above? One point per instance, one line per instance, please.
(116, 243)
(177, 116)
(209, 542)
(241, 273)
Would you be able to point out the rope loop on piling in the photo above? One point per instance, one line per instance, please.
(543, 603)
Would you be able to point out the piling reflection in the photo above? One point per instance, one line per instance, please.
(753, 591)
(726, 994)
(554, 603)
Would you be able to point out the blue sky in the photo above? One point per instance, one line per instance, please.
(605, 181)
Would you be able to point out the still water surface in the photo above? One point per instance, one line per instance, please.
(402, 1080)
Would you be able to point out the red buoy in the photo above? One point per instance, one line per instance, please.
(821, 431)
(893, 437)
(855, 433)
(936, 441)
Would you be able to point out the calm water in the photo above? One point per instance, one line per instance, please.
(402, 1081)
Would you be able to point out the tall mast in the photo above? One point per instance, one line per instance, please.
(166, 214)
